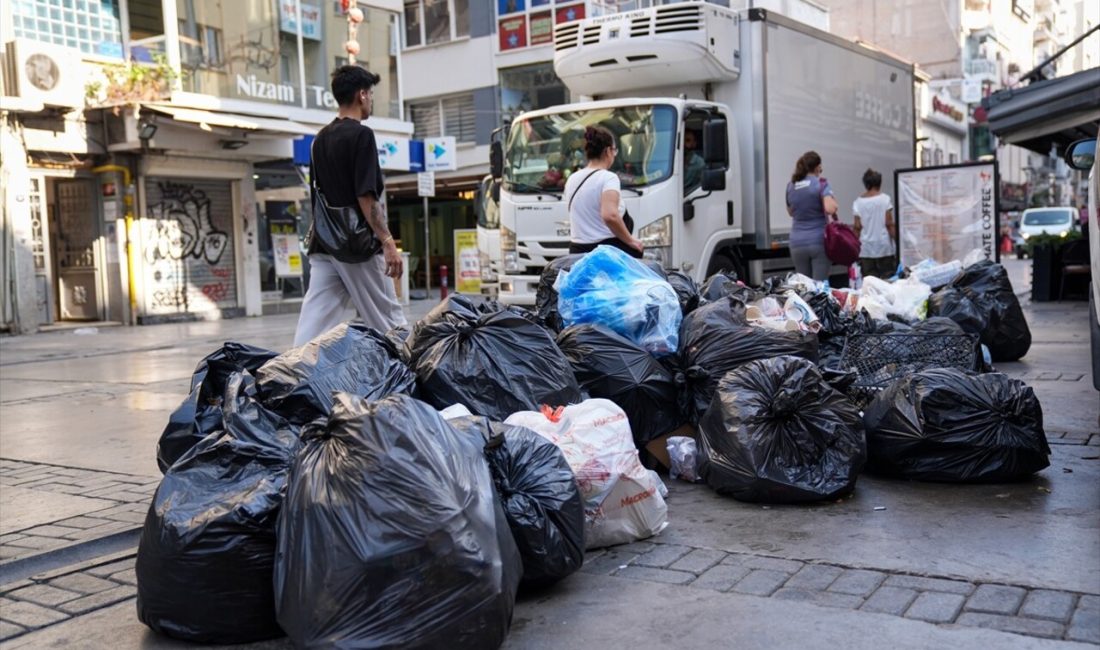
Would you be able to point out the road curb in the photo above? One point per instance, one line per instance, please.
(68, 559)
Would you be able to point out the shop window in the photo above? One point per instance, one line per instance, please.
(98, 24)
(530, 87)
(428, 22)
(453, 116)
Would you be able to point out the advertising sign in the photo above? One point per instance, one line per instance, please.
(393, 152)
(567, 14)
(468, 261)
(513, 32)
(311, 19)
(944, 213)
(285, 250)
(542, 28)
(439, 154)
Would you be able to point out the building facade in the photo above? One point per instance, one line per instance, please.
(149, 150)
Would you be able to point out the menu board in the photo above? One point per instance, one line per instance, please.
(943, 213)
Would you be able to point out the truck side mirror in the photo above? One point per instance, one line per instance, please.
(1081, 155)
(715, 142)
(496, 160)
(714, 180)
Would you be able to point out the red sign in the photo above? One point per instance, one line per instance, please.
(542, 28)
(513, 33)
(566, 14)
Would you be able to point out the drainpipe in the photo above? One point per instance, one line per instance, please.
(128, 201)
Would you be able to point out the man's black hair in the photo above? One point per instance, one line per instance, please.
(348, 80)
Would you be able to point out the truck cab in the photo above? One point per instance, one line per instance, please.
(678, 182)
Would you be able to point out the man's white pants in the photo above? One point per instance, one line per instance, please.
(335, 286)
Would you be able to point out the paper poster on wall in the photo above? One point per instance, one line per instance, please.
(944, 213)
(566, 14)
(286, 251)
(542, 28)
(513, 33)
(468, 260)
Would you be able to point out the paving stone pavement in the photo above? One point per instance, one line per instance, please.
(125, 497)
(1010, 608)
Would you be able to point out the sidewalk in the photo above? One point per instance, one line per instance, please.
(999, 566)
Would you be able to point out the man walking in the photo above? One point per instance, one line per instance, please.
(345, 169)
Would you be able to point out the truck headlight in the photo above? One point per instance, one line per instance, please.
(1025, 235)
(657, 234)
(508, 255)
(1064, 233)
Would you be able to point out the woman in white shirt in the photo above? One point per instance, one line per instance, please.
(595, 201)
(874, 224)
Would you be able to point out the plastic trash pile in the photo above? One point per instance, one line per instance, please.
(399, 489)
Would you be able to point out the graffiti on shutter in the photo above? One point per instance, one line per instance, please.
(187, 237)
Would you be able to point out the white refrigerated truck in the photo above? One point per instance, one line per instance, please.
(755, 88)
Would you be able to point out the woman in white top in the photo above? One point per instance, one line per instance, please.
(594, 198)
(874, 213)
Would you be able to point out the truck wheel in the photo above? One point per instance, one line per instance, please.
(724, 262)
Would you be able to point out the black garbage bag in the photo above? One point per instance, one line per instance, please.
(723, 284)
(610, 366)
(391, 535)
(715, 339)
(954, 304)
(201, 413)
(1006, 333)
(398, 336)
(207, 551)
(495, 364)
(776, 432)
(827, 309)
(539, 495)
(546, 296)
(937, 325)
(949, 425)
(686, 290)
(350, 357)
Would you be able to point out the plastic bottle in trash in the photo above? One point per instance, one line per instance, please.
(855, 276)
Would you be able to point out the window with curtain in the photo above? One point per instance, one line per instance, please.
(429, 22)
(453, 116)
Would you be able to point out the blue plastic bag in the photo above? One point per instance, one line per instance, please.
(608, 287)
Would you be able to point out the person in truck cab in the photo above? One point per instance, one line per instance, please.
(693, 162)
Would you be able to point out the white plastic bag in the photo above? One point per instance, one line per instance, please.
(622, 499)
(906, 298)
(684, 456)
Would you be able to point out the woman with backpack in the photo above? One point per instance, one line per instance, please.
(594, 194)
(810, 201)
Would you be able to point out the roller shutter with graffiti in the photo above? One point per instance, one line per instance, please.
(187, 246)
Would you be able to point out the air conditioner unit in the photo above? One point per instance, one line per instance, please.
(46, 73)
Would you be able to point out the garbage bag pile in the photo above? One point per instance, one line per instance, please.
(953, 426)
(201, 413)
(623, 501)
(687, 291)
(777, 432)
(494, 363)
(982, 299)
(717, 338)
(207, 552)
(539, 495)
(608, 287)
(300, 383)
(609, 366)
(381, 547)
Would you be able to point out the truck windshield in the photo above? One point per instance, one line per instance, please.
(543, 151)
(1047, 218)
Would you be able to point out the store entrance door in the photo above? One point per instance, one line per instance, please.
(78, 259)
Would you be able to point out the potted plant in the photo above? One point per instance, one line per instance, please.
(1046, 264)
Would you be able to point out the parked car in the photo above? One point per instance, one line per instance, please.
(1048, 221)
(1082, 155)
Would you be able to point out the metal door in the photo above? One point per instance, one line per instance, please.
(187, 241)
(78, 251)
(40, 249)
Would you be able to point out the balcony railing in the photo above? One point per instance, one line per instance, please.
(984, 68)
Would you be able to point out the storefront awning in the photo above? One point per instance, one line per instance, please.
(1054, 112)
(232, 120)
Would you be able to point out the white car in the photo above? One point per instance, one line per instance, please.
(1082, 155)
(1048, 221)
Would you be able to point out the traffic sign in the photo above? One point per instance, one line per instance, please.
(425, 184)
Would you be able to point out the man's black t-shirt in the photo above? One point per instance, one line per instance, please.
(345, 164)
(345, 160)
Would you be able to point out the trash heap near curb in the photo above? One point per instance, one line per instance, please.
(398, 489)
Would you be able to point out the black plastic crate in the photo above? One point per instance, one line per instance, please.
(881, 359)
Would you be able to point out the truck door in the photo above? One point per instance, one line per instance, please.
(707, 189)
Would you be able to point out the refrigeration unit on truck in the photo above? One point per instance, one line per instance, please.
(755, 89)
